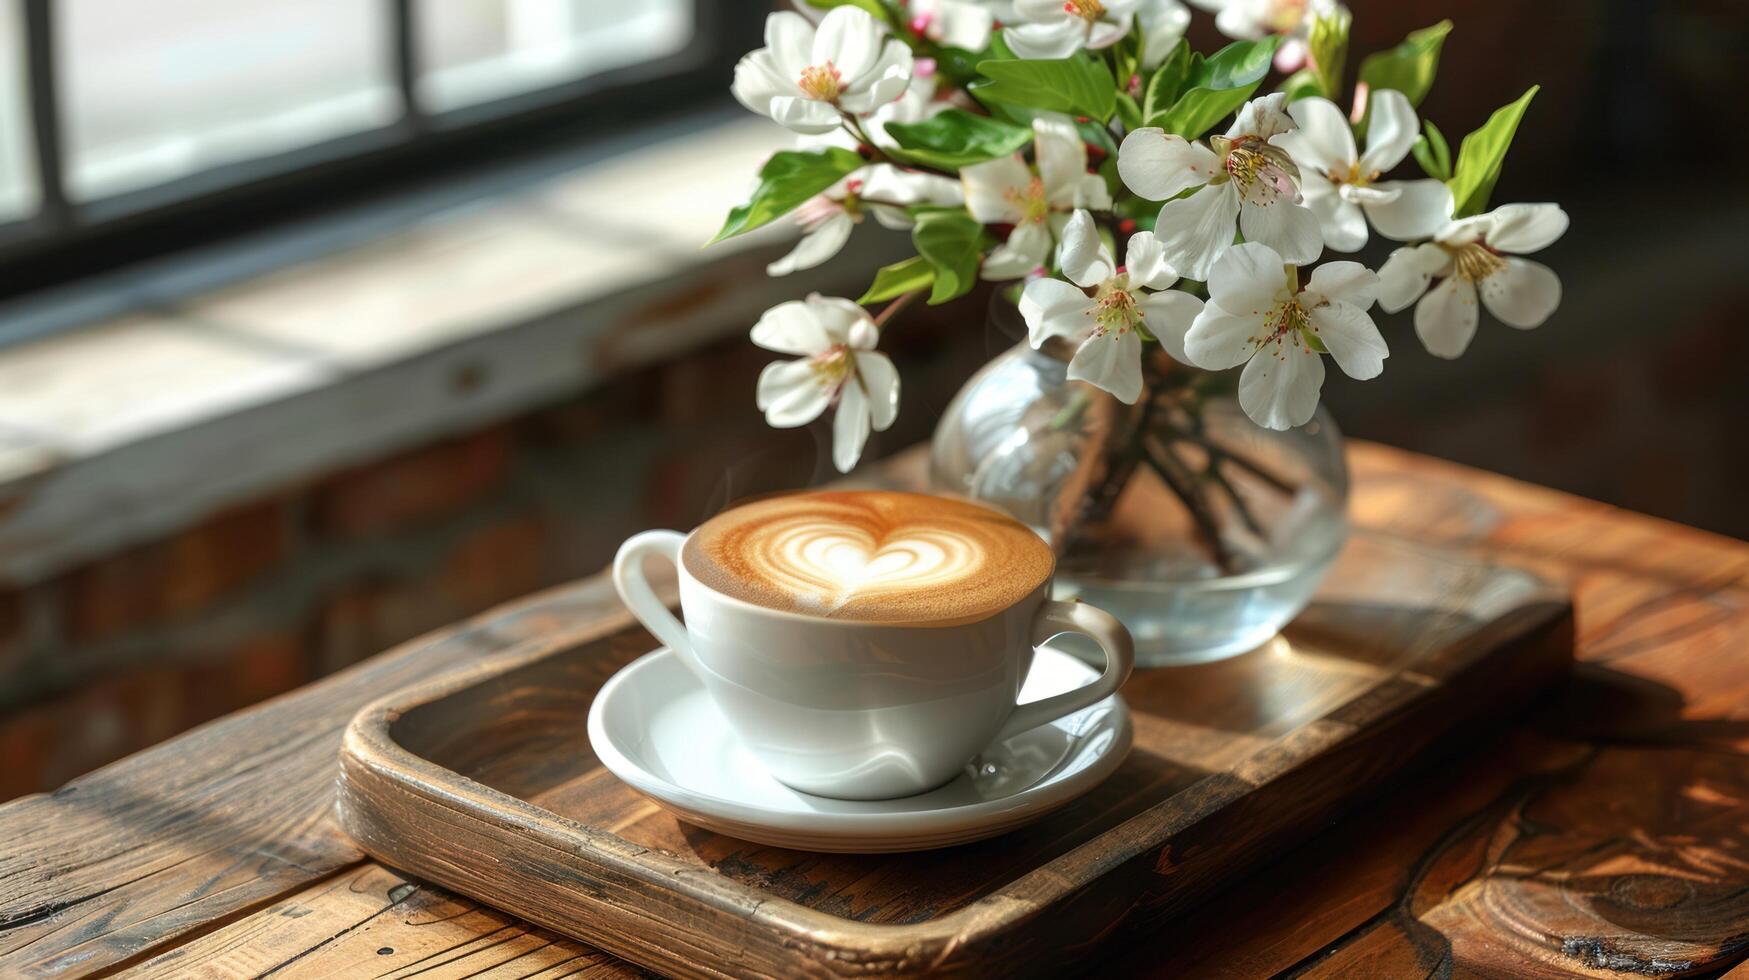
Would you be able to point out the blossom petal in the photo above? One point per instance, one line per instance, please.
(889, 184)
(1195, 230)
(988, 185)
(1159, 166)
(1391, 130)
(1523, 294)
(805, 116)
(1288, 228)
(1218, 339)
(790, 38)
(1351, 337)
(1041, 11)
(1324, 142)
(1168, 316)
(850, 39)
(1445, 319)
(1061, 156)
(790, 394)
(816, 246)
(1279, 387)
(1417, 209)
(962, 25)
(1082, 255)
(1145, 261)
(1525, 228)
(1349, 282)
(1087, 191)
(1264, 117)
(1025, 250)
(1248, 279)
(1111, 360)
(850, 424)
(757, 82)
(791, 328)
(1054, 308)
(1340, 221)
(883, 83)
(1404, 276)
(1046, 41)
(880, 381)
(1163, 25)
(842, 320)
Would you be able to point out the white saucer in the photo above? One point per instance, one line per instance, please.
(653, 726)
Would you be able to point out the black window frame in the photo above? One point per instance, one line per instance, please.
(67, 240)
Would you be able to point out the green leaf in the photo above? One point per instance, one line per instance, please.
(1481, 155)
(898, 279)
(1128, 111)
(1302, 84)
(953, 138)
(875, 7)
(787, 179)
(949, 240)
(1432, 152)
(1218, 86)
(1327, 44)
(1078, 85)
(1168, 81)
(1410, 66)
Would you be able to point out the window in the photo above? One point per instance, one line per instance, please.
(130, 128)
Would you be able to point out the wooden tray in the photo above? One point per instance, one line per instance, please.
(484, 783)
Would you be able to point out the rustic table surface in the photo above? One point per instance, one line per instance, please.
(217, 853)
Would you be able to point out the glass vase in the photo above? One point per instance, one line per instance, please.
(1204, 532)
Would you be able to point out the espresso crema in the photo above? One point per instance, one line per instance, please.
(870, 555)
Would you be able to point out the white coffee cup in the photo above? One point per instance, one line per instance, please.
(865, 710)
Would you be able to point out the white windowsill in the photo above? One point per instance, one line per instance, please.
(182, 400)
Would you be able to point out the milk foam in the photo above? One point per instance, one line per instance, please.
(874, 555)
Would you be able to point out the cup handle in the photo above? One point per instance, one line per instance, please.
(635, 591)
(1054, 619)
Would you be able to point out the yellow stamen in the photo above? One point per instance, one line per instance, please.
(1087, 10)
(822, 82)
(1476, 261)
(1031, 201)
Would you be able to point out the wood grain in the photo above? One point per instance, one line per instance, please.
(1663, 619)
(481, 782)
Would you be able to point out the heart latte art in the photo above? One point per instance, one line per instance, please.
(870, 555)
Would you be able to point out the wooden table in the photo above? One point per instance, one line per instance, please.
(216, 853)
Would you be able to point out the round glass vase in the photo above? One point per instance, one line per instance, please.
(1202, 531)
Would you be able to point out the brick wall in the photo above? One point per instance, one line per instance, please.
(133, 648)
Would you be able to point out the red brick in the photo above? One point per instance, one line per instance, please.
(412, 488)
(492, 565)
(11, 626)
(172, 578)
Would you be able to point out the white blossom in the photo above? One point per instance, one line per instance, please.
(1253, 20)
(1163, 25)
(1104, 326)
(838, 366)
(1342, 186)
(964, 24)
(1242, 177)
(1059, 28)
(1006, 191)
(882, 190)
(806, 78)
(1471, 256)
(1258, 316)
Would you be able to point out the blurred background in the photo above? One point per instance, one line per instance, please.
(326, 324)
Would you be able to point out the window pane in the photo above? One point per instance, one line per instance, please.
(18, 186)
(474, 51)
(155, 91)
